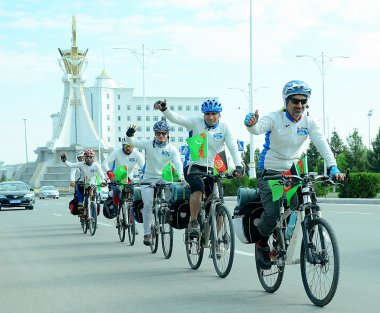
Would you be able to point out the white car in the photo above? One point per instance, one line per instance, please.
(49, 192)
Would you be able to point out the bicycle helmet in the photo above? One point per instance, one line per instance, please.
(124, 142)
(295, 87)
(80, 154)
(89, 153)
(161, 126)
(211, 106)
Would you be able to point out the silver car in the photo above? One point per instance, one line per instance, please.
(49, 192)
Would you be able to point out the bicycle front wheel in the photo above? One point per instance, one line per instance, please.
(166, 237)
(194, 250)
(83, 221)
(320, 271)
(271, 279)
(92, 220)
(154, 233)
(131, 226)
(222, 241)
(120, 219)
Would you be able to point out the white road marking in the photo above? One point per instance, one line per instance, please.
(361, 213)
(57, 214)
(105, 224)
(244, 253)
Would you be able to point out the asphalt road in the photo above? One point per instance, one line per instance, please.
(48, 265)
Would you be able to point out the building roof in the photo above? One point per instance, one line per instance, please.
(105, 81)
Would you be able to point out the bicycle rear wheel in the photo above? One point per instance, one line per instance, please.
(121, 222)
(131, 225)
(83, 221)
(271, 279)
(194, 250)
(166, 237)
(92, 221)
(154, 234)
(222, 241)
(320, 275)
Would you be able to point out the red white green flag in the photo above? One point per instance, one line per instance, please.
(220, 162)
(198, 146)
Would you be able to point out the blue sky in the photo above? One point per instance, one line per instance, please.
(209, 42)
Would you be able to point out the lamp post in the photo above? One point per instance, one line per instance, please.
(252, 168)
(370, 112)
(323, 62)
(26, 141)
(140, 54)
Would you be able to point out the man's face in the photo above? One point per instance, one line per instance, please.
(80, 159)
(211, 118)
(296, 106)
(89, 160)
(161, 136)
(127, 149)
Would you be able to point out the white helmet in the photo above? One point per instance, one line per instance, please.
(80, 154)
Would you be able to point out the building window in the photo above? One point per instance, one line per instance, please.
(172, 107)
(188, 108)
(172, 139)
(128, 107)
(180, 108)
(148, 128)
(139, 128)
(128, 118)
(139, 118)
(147, 138)
(109, 139)
(118, 97)
(172, 128)
(147, 107)
(180, 139)
(196, 108)
(118, 107)
(108, 95)
(155, 118)
(180, 128)
(138, 107)
(109, 128)
(139, 138)
(108, 117)
(108, 106)
(119, 118)
(119, 129)
(148, 118)
(119, 139)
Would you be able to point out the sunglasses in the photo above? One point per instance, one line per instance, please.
(211, 113)
(296, 101)
(161, 133)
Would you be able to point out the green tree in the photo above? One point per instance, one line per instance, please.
(3, 178)
(313, 156)
(356, 153)
(336, 144)
(246, 157)
(374, 154)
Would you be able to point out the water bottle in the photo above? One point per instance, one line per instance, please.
(291, 225)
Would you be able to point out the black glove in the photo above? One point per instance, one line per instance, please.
(130, 132)
(162, 104)
(239, 170)
(63, 157)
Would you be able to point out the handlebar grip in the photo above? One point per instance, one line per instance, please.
(274, 177)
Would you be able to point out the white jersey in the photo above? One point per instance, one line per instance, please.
(119, 158)
(90, 172)
(156, 158)
(284, 138)
(76, 172)
(216, 137)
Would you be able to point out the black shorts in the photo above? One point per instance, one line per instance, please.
(196, 179)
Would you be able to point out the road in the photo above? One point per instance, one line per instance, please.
(48, 265)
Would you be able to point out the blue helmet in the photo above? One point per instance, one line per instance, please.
(211, 106)
(161, 126)
(296, 87)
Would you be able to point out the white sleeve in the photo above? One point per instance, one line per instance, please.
(72, 174)
(111, 157)
(177, 162)
(176, 118)
(263, 125)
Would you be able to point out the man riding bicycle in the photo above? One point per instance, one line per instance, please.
(157, 155)
(79, 189)
(218, 133)
(285, 133)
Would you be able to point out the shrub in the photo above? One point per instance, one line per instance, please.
(231, 186)
(361, 185)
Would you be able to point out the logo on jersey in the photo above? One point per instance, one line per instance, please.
(132, 159)
(302, 131)
(218, 136)
(165, 153)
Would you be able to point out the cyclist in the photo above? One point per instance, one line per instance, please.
(285, 133)
(79, 189)
(91, 170)
(157, 155)
(218, 133)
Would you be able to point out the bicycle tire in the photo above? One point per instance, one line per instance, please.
(120, 219)
(83, 221)
(131, 225)
(194, 251)
(222, 244)
(320, 280)
(270, 279)
(166, 237)
(154, 234)
(92, 221)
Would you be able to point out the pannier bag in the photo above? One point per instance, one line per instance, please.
(109, 209)
(73, 206)
(179, 214)
(137, 207)
(137, 194)
(245, 195)
(179, 192)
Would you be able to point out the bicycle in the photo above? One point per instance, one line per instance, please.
(160, 224)
(319, 252)
(124, 218)
(217, 231)
(88, 214)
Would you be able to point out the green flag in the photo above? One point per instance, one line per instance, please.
(97, 181)
(169, 173)
(198, 146)
(121, 174)
(276, 188)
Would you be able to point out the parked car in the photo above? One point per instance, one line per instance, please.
(49, 192)
(16, 194)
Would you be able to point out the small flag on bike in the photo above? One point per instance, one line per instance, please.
(121, 174)
(198, 146)
(220, 162)
(97, 182)
(169, 173)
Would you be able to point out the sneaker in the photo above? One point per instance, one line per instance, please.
(193, 228)
(218, 251)
(263, 257)
(136, 232)
(147, 240)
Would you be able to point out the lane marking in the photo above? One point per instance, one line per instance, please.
(361, 213)
(105, 224)
(57, 214)
(244, 253)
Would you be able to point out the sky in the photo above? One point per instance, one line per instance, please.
(208, 56)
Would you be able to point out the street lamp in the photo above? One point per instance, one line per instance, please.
(323, 62)
(140, 54)
(26, 141)
(370, 112)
